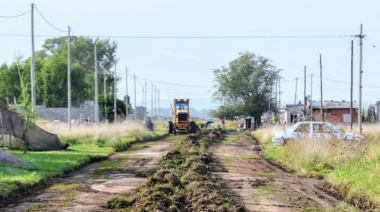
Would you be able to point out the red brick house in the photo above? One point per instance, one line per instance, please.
(334, 111)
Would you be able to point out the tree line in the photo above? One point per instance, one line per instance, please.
(51, 74)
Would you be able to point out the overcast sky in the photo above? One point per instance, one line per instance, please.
(176, 44)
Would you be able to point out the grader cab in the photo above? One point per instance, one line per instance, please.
(181, 118)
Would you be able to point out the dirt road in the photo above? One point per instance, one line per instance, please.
(262, 186)
(258, 184)
(90, 188)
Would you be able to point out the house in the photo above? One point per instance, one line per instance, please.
(293, 113)
(334, 111)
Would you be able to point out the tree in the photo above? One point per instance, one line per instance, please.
(120, 105)
(245, 87)
(54, 71)
(10, 85)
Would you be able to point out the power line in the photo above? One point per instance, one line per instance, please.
(49, 22)
(168, 83)
(227, 37)
(373, 45)
(15, 16)
(190, 37)
(370, 86)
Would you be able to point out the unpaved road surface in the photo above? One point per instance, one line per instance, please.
(262, 186)
(258, 184)
(89, 189)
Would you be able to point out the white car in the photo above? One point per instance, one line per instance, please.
(310, 129)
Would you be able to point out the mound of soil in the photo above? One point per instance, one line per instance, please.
(6, 157)
(183, 181)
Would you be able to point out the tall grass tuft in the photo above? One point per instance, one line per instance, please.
(117, 136)
(352, 167)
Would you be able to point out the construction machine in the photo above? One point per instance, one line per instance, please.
(181, 118)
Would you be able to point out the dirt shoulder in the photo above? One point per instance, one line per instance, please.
(90, 188)
(262, 186)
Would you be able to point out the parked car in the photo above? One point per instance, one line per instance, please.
(319, 130)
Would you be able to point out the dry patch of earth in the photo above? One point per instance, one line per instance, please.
(263, 186)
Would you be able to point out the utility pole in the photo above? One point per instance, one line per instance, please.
(352, 81)
(311, 97)
(68, 80)
(126, 91)
(32, 67)
(134, 79)
(146, 109)
(276, 105)
(304, 93)
(155, 102)
(114, 95)
(152, 101)
(360, 79)
(96, 86)
(142, 97)
(320, 66)
(159, 103)
(105, 95)
(279, 94)
(295, 94)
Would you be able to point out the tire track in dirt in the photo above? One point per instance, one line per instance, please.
(262, 186)
(89, 190)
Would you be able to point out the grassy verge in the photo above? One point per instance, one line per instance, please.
(182, 181)
(87, 143)
(351, 168)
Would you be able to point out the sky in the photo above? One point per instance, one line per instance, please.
(176, 45)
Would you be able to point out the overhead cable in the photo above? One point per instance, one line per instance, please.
(49, 22)
(168, 83)
(15, 16)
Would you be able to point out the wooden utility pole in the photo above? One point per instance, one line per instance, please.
(151, 99)
(304, 93)
(311, 98)
(96, 87)
(360, 79)
(105, 95)
(146, 90)
(279, 94)
(320, 67)
(126, 91)
(276, 102)
(142, 96)
(295, 94)
(158, 102)
(114, 95)
(352, 81)
(155, 102)
(32, 67)
(68, 80)
(134, 79)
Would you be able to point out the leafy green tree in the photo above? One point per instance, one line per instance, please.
(54, 72)
(109, 111)
(10, 85)
(244, 87)
(54, 75)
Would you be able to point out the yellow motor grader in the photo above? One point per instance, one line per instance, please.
(181, 118)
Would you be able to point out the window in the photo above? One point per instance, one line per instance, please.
(303, 128)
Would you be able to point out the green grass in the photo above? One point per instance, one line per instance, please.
(85, 143)
(351, 167)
